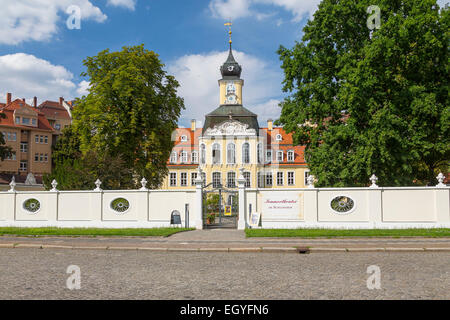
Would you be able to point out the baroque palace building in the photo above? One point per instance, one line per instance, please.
(230, 139)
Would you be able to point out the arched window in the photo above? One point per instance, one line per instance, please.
(231, 179)
(260, 153)
(216, 153)
(173, 157)
(246, 153)
(231, 153)
(203, 153)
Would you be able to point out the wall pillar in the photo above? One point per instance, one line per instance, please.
(198, 214)
(242, 222)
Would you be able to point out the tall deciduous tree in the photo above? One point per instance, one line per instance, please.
(367, 101)
(5, 150)
(130, 111)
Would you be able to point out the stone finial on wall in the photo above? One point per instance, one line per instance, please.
(374, 180)
(12, 184)
(144, 184)
(98, 183)
(54, 184)
(440, 178)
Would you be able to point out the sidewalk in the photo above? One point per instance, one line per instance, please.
(229, 240)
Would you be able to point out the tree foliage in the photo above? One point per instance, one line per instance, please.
(365, 102)
(127, 117)
(5, 150)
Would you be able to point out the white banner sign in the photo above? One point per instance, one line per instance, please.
(287, 206)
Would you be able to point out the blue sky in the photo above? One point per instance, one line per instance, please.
(40, 56)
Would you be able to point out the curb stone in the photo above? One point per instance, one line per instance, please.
(366, 249)
(404, 249)
(327, 249)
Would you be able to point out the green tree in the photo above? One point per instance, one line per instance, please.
(371, 102)
(5, 150)
(130, 112)
(76, 171)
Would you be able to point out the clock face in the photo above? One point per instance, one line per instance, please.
(231, 99)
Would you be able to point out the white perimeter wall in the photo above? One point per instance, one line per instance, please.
(415, 207)
(148, 209)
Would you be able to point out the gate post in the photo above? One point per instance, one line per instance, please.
(242, 223)
(199, 200)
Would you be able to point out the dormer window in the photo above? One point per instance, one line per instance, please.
(184, 138)
(17, 120)
(278, 137)
(290, 155)
(26, 121)
(173, 157)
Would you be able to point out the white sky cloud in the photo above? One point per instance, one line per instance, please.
(83, 87)
(129, 4)
(26, 76)
(235, 9)
(40, 20)
(198, 75)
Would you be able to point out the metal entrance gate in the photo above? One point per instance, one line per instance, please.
(220, 207)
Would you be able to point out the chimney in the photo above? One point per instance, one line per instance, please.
(23, 99)
(35, 102)
(61, 100)
(8, 98)
(270, 124)
(193, 124)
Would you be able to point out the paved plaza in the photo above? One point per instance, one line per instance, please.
(28, 273)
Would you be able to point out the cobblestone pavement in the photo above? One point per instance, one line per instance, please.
(131, 274)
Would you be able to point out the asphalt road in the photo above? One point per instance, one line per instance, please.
(127, 274)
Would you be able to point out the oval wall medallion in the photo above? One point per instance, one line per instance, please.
(342, 204)
(120, 205)
(31, 205)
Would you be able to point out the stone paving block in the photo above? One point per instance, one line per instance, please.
(394, 249)
(244, 249)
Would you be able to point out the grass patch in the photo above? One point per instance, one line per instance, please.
(53, 231)
(333, 233)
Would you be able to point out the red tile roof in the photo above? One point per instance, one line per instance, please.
(8, 111)
(53, 110)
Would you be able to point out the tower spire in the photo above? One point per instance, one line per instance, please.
(229, 24)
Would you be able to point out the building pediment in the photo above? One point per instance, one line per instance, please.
(231, 128)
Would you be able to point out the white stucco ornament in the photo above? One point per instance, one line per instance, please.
(98, 183)
(374, 180)
(144, 184)
(54, 185)
(231, 128)
(440, 178)
(12, 184)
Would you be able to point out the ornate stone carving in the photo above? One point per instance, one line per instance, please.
(230, 128)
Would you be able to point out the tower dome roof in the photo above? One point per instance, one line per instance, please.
(231, 69)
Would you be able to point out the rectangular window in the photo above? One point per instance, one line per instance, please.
(41, 139)
(290, 155)
(36, 157)
(269, 179)
(23, 147)
(247, 179)
(268, 155)
(11, 157)
(194, 157)
(23, 166)
(173, 179)
(12, 136)
(260, 180)
(280, 178)
(280, 156)
(184, 157)
(45, 139)
(26, 121)
(231, 179)
(57, 126)
(41, 157)
(193, 178)
(36, 138)
(291, 180)
(46, 157)
(183, 179)
(216, 180)
(17, 120)
(306, 177)
(33, 121)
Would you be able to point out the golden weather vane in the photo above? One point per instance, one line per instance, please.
(229, 24)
